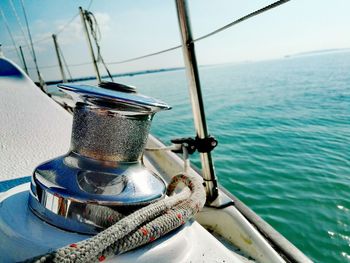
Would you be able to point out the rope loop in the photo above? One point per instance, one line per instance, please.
(139, 228)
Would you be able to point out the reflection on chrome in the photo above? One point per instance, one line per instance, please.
(103, 166)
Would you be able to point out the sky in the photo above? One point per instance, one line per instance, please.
(134, 28)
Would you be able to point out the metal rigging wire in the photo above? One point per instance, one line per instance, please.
(145, 56)
(64, 26)
(96, 34)
(70, 65)
(46, 38)
(89, 6)
(65, 63)
(19, 23)
(41, 80)
(10, 33)
(72, 19)
(80, 64)
(235, 22)
(27, 45)
(67, 24)
(243, 18)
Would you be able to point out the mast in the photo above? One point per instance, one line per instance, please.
(64, 79)
(23, 60)
(94, 61)
(196, 97)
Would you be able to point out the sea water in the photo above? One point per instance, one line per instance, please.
(283, 128)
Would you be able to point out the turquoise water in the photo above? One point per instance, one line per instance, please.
(284, 141)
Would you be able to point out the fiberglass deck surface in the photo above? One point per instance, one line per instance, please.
(33, 128)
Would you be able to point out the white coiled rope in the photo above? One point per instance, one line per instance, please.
(139, 228)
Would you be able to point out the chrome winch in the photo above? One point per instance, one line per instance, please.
(103, 167)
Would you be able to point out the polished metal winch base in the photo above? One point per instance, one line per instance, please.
(66, 191)
(103, 169)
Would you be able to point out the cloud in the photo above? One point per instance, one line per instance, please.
(69, 33)
(74, 31)
(40, 24)
(104, 22)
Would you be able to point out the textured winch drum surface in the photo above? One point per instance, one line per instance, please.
(109, 136)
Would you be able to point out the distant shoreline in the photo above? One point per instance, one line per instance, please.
(127, 74)
(151, 71)
(317, 52)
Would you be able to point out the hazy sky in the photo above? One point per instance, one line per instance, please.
(133, 28)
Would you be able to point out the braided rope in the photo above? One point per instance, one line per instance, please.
(141, 227)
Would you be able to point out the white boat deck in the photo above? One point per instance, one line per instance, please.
(34, 129)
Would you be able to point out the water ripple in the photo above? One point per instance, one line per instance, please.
(284, 137)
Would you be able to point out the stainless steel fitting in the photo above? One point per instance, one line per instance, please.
(103, 167)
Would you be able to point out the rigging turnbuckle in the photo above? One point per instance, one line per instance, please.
(204, 145)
